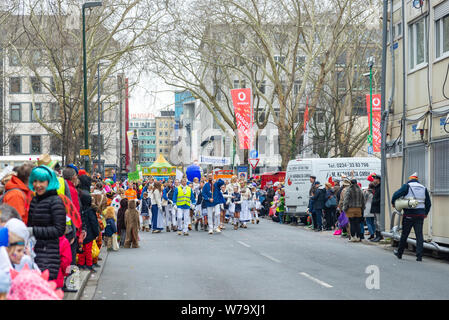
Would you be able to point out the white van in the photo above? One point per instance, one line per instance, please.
(297, 178)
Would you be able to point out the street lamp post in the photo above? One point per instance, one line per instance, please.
(370, 136)
(86, 118)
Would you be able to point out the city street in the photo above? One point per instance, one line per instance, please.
(266, 261)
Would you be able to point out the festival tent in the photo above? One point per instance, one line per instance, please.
(160, 169)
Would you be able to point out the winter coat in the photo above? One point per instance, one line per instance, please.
(145, 207)
(66, 259)
(354, 202)
(375, 205)
(368, 198)
(47, 217)
(74, 195)
(18, 199)
(111, 228)
(121, 215)
(319, 198)
(89, 218)
(207, 195)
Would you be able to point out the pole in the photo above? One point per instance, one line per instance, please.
(371, 102)
(86, 118)
(99, 115)
(382, 123)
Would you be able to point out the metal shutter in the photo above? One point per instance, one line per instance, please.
(441, 167)
(441, 10)
(416, 162)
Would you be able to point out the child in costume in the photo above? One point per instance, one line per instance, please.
(145, 206)
(111, 227)
(132, 225)
(237, 201)
(121, 226)
(253, 206)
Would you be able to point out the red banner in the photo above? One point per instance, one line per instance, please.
(241, 98)
(376, 121)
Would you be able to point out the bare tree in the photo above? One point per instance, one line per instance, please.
(290, 44)
(51, 34)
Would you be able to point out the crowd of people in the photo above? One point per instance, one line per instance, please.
(54, 220)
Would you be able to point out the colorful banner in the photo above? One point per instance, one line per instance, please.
(376, 120)
(133, 176)
(241, 98)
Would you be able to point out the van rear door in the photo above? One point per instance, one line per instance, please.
(297, 186)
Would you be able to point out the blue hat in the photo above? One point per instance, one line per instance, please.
(317, 182)
(4, 237)
(73, 167)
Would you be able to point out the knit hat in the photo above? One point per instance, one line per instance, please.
(73, 167)
(5, 281)
(19, 228)
(413, 176)
(82, 172)
(31, 285)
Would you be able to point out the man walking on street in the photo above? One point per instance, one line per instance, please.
(311, 194)
(318, 200)
(413, 217)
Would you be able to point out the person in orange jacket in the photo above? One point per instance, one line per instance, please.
(17, 194)
(130, 193)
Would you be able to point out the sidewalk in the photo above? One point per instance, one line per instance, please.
(88, 280)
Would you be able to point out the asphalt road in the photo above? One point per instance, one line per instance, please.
(266, 261)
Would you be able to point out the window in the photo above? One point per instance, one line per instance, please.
(261, 86)
(236, 84)
(52, 85)
(319, 116)
(36, 145)
(55, 145)
(417, 43)
(15, 145)
(160, 150)
(300, 61)
(166, 150)
(36, 57)
(279, 59)
(160, 133)
(15, 113)
(38, 107)
(36, 85)
(276, 144)
(14, 58)
(297, 86)
(442, 36)
(15, 85)
(441, 167)
(262, 144)
(166, 133)
(416, 161)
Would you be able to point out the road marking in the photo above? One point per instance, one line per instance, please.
(244, 244)
(324, 284)
(270, 257)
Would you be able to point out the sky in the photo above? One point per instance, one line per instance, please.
(151, 95)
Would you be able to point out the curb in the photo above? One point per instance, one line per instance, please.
(86, 276)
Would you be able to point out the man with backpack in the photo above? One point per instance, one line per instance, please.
(17, 194)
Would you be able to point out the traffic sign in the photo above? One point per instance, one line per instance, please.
(254, 154)
(370, 150)
(253, 162)
(85, 152)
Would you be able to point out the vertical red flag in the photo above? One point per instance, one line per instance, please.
(376, 120)
(241, 98)
(306, 115)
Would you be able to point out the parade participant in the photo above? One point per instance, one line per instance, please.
(254, 201)
(132, 225)
(184, 200)
(46, 219)
(167, 207)
(413, 217)
(223, 206)
(157, 218)
(131, 193)
(111, 227)
(245, 215)
(121, 226)
(145, 205)
(237, 206)
(226, 206)
(208, 198)
(199, 207)
(115, 203)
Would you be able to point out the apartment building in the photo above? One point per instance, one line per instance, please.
(418, 126)
(146, 134)
(165, 124)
